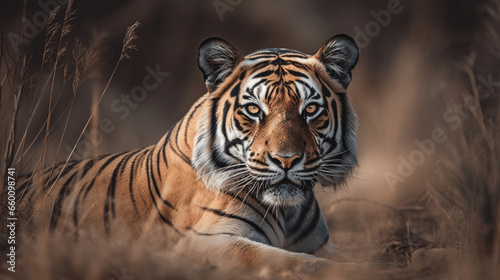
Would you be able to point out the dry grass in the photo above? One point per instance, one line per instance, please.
(450, 232)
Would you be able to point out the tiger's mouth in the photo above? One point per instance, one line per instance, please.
(285, 183)
(284, 192)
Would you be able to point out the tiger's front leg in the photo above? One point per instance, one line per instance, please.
(229, 251)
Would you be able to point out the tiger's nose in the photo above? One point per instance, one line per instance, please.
(285, 161)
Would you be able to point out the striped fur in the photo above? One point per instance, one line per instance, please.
(234, 178)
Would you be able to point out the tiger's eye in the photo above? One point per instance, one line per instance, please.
(311, 109)
(253, 109)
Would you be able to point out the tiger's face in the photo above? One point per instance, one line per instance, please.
(278, 122)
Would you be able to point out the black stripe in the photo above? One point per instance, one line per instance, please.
(238, 125)
(335, 118)
(313, 160)
(259, 162)
(167, 140)
(131, 180)
(258, 169)
(111, 159)
(90, 163)
(325, 124)
(231, 216)
(151, 179)
(233, 143)
(311, 89)
(307, 229)
(268, 92)
(213, 130)
(227, 106)
(277, 51)
(324, 89)
(304, 211)
(190, 117)
(110, 197)
(177, 150)
(263, 74)
(75, 207)
(262, 57)
(242, 76)
(294, 56)
(163, 218)
(63, 172)
(63, 192)
(236, 90)
(300, 65)
(260, 213)
(261, 65)
(167, 221)
(346, 111)
(298, 74)
(158, 163)
(127, 158)
(180, 153)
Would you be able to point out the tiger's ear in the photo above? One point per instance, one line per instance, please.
(216, 59)
(339, 55)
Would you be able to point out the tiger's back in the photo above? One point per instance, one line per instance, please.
(115, 192)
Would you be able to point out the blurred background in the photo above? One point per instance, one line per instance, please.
(427, 77)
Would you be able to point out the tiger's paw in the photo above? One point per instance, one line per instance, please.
(296, 269)
(314, 265)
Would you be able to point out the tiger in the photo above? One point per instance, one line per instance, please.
(232, 182)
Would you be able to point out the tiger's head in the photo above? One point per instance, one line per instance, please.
(278, 121)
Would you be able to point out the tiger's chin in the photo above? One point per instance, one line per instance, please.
(283, 194)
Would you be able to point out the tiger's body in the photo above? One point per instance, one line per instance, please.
(233, 180)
